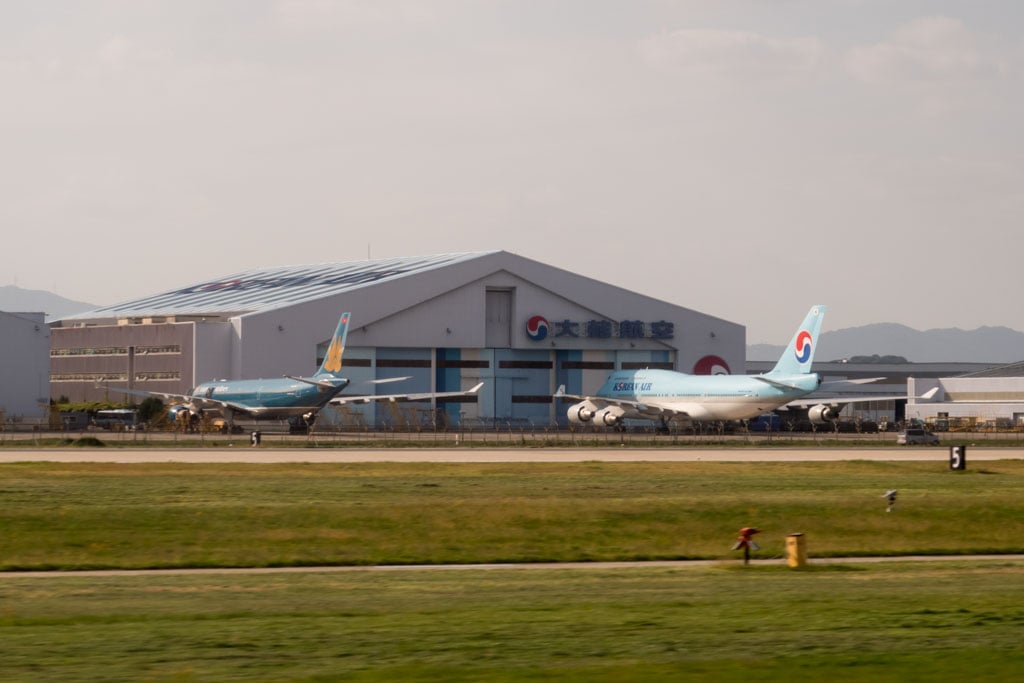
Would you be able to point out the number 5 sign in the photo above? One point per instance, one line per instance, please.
(958, 457)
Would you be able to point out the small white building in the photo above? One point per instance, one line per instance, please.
(24, 366)
(993, 397)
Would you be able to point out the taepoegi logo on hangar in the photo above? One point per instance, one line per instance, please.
(538, 329)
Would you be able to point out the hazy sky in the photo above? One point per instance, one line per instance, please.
(745, 158)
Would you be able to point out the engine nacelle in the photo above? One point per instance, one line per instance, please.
(822, 414)
(581, 413)
(609, 417)
(180, 412)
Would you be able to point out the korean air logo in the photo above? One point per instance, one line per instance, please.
(537, 328)
(711, 365)
(802, 348)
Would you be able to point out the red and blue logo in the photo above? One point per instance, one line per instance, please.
(711, 365)
(537, 328)
(802, 348)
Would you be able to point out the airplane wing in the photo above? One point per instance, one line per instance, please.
(808, 402)
(643, 408)
(341, 400)
(197, 401)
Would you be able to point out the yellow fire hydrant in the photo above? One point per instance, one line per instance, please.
(796, 550)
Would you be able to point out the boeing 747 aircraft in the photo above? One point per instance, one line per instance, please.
(285, 397)
(665, 394)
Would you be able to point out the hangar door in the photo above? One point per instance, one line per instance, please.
(499, 318)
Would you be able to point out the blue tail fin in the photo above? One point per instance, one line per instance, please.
(332, 359)
(797, 357)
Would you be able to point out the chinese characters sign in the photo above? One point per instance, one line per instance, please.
(539, 328)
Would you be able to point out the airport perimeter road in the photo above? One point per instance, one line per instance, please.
(464, 454)
(639, 564)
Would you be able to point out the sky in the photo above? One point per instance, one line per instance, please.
(743, 158)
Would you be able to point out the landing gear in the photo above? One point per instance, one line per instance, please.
(302, 424)
(662, 427)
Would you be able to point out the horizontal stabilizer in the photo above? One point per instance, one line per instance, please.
(785, 386)
(330, 383)
(425, 396)
(839, 384)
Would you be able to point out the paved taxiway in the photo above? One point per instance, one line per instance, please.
(464, 454)
(647, 564)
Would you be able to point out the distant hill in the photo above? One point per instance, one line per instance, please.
(16, 300)
(950, 345)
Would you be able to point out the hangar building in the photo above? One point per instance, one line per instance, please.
(991, 398)
(24, 366)
(446, 322)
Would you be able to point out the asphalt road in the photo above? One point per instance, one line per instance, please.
(246, 454)
(675, 564)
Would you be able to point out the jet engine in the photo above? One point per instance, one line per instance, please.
(184, 416)
(609, 417)
(822, 414)
(581, 413)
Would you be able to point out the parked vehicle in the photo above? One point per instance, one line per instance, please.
(117, 419)
(913, 436)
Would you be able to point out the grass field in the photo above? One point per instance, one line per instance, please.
(847, 622)
(68, 516)
(951, 621)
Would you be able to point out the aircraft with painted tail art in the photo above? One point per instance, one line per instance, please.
(665, 394)
(286, 397)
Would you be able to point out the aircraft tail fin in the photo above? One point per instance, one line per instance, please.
(332, 359)
(796, 359)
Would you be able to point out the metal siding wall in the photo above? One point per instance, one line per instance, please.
(128, 337)
(571, 378)
(523, 382)
(449, 379)
(420, 379)
(473, 411)
(593, 379)
(25, 365)
(488, 405)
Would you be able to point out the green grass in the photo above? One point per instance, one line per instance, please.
(897, 621)
(65, 516)
(892, 622)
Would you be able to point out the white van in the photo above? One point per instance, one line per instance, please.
(916, 435)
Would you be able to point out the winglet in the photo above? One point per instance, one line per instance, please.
(332, 359)
(561, 391)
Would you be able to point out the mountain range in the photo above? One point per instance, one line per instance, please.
(940, 345)
(17, 300)
(950, 345)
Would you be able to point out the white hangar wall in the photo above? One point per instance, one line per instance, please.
(446, 308)
(24, 365)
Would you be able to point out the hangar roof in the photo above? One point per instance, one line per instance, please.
(1009, 370)
(267, 289)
